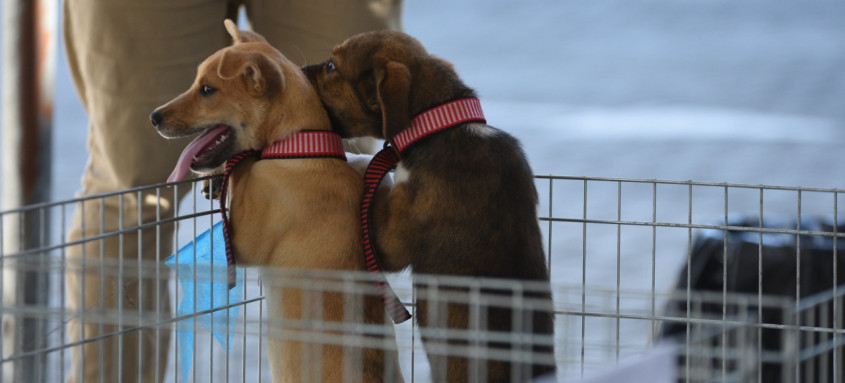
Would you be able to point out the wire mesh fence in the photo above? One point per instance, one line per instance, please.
(720, 282)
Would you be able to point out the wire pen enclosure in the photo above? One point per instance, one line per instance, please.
(659, 280)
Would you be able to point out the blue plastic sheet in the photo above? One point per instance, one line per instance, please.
(201, 270)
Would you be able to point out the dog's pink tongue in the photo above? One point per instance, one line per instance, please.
(183, 165)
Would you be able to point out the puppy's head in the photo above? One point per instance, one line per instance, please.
(374, 82)
(242, 98)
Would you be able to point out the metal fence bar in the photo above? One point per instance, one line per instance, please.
(618, 263)
(690, 183)
(760, 287)
(653, 257)
(837, 303)
(724, 279)
(688, 276)
(798, 365)
(584, 275)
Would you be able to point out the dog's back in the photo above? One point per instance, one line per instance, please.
(486, 226)
(303, 214)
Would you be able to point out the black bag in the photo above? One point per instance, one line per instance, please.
(791, 266)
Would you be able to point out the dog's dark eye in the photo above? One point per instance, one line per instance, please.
(207, 90)
(330, 67)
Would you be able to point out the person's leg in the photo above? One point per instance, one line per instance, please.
(306, 31)
(106, 291)
(127, 58)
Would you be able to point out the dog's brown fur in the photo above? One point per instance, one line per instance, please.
(292, 213)
(464, 201)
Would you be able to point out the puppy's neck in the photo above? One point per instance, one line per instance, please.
(427, 95)
(295, 119)
(440, 118)
(286, 130)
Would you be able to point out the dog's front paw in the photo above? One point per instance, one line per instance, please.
(211, 188)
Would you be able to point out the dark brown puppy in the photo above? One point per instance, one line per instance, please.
(464, 201)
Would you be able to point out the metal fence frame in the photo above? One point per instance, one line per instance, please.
(572, 210)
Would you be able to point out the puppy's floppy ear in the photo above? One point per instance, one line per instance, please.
(393, 85)
(261, 75)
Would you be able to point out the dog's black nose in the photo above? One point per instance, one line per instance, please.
(156, 117)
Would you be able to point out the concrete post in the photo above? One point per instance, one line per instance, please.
(28, 68)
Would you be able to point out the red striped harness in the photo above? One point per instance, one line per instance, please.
(318, 144)
(429, 122)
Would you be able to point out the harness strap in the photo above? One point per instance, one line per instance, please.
(436, 119)
(426, 123)
(383, 161)
(230, 256)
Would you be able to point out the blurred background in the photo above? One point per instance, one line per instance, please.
(747, 93)
(715, 91)
(750, 92)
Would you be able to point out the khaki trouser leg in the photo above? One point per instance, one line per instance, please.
(126, 58)
(306, 31)
(110, 289)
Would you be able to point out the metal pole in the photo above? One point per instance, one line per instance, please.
(28, 68)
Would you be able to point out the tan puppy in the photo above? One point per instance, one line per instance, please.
(464, 201)
(294, 213)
